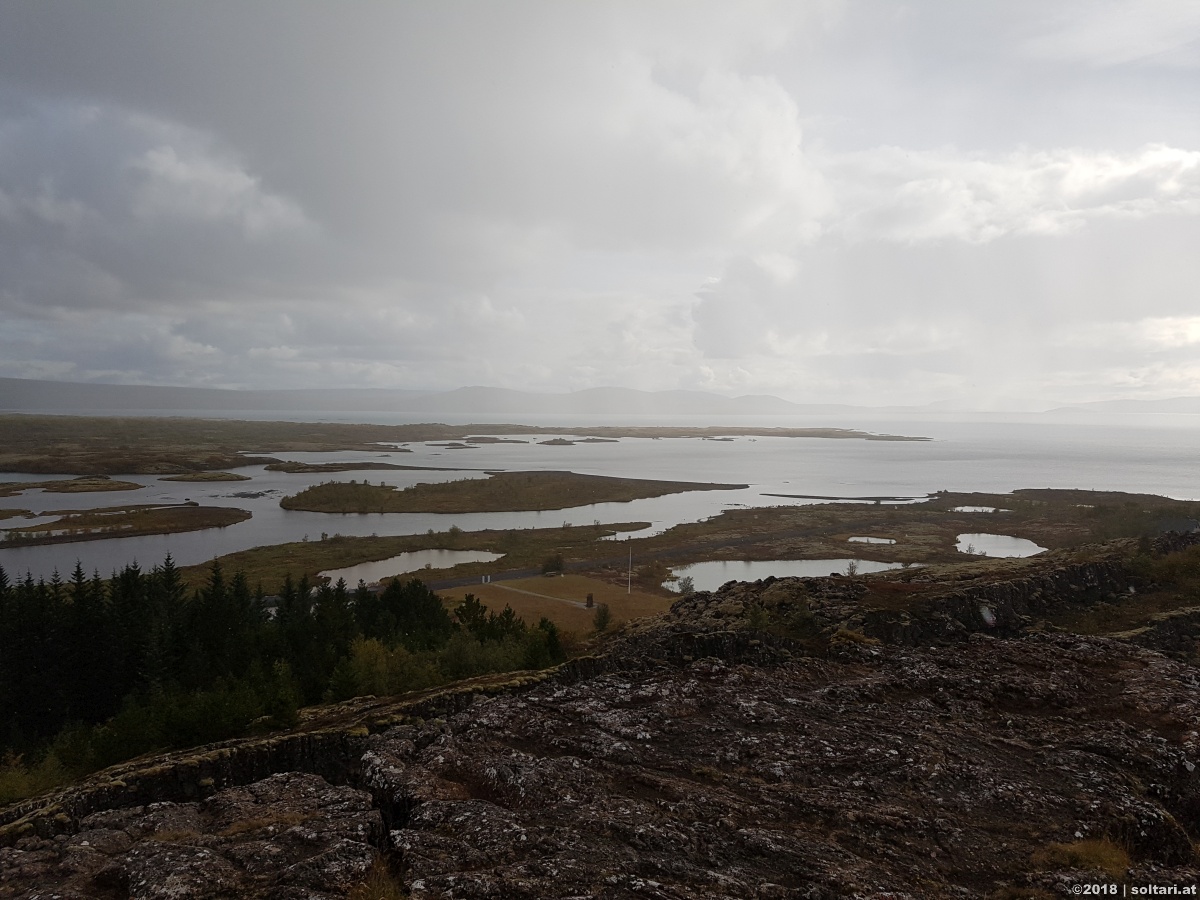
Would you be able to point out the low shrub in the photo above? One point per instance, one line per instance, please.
(1093, 854)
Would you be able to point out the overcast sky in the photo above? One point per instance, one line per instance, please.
(869, 202)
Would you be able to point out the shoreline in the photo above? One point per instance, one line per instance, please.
(142, 520)
(94, 445)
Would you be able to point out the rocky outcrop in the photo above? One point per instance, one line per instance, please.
(999, 607)
(998, 598)
(710, 753)
(1176, 632)
(881, 772)
(290, 836)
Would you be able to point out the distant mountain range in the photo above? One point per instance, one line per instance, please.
(609, 401)
(29, 395)
(1174, 406)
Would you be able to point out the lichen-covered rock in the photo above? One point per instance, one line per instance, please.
(918, 773)
(932, 748)
(288, 836)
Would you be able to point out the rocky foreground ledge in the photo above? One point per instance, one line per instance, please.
(945, 750)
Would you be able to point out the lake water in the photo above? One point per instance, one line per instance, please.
(404, 563)
(997, 545)
(994, 455)
(708, 576)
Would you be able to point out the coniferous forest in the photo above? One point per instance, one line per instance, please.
(94, 671)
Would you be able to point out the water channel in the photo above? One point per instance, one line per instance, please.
(987, 456)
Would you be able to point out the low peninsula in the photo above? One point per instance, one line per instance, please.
(115, 445)
(205, 477)
(85, 484)
(501, 492)
(307, 468)
(121, 521)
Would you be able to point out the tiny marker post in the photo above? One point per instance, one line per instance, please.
(629, 577)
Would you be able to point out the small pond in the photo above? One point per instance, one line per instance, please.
(408, 562)
(978, 509)
(871, 540)
(997, 545)
(708, 576)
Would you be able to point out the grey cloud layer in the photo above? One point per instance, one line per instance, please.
(814, 200)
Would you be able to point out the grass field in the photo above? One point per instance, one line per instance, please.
(501, 492)
(924, 533)
(523, 548)
(562, 600)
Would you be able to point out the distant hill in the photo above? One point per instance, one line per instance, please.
(610, 401)
(22, 395)
(28, 395)
(1172, 406)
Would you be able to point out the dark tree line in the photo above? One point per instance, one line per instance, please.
(97, 670)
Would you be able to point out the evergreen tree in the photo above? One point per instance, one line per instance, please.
(222, 625)
(93, 690)
(165, 637)
(299, 638)
(421, 621)
(472, 615)
(131, 613)
(326, 639)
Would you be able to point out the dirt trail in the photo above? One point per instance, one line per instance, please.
(516, 590)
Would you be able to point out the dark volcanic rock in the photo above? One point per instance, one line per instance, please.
(932, 750)
(924, 774)
(288, 836)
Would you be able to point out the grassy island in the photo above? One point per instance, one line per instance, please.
(502, 492)
(206, 477)
(303, 468)
(86, 484)
(117, 445)
(122, 521)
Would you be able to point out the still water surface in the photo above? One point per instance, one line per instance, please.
(997, 545)
(987, 455)
(708, 576)
(403, 563)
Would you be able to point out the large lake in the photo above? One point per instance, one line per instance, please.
(994, 454)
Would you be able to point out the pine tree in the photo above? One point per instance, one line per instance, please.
(421, 621)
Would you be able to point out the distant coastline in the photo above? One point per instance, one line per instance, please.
(88, 445)
(614, 404)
